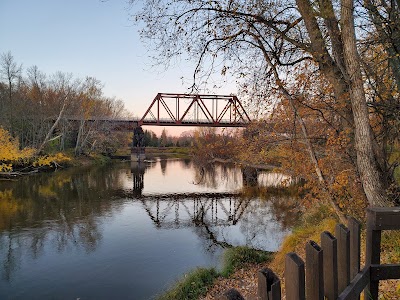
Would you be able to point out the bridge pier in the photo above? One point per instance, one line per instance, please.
(138, 153)
(138, 150)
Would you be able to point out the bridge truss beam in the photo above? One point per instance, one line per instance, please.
(195, 110)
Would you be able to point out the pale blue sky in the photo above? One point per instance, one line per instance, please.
(89, 38)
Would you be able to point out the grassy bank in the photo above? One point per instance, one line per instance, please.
(310, 227)
(196, 283)
(175, 152)
(167, 152)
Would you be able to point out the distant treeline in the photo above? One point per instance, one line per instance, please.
(35, 107)
(184, 140)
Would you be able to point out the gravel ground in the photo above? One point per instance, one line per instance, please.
(244, 280)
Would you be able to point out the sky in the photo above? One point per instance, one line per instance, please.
(91, 38)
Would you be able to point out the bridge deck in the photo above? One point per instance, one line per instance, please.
(129, 124)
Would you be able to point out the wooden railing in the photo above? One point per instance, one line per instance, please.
(332, 270)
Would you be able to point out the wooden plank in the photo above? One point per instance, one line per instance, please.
(373, 252)
(329, 246)
(294, 277)
(373, 241)
(356, 285)
(386, 271)
(355, 249)
(314, 271)
(275, 293)
(269, 285)
(355, 246)
(262, 290)
(231, 294)
(343, 255)
(384, 218)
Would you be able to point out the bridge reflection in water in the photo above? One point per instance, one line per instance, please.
(177, 210)
(194, 210)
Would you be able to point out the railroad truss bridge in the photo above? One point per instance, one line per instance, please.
(168, 109)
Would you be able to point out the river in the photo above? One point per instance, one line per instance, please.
(129, 231)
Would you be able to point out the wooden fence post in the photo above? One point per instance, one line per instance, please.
(329, 246)
(355, 245)
(355, 248)
(373, 252)
(343, 254)
(294, 277)
(269, 285)
(314, 272)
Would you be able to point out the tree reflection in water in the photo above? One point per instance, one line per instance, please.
(267, 208)
(163, 164)
(61, 208)
(66, 209)
(213, 176)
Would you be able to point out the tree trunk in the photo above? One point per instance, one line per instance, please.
(50, 132)
(78, 147)
(371, 178)
(331, 69)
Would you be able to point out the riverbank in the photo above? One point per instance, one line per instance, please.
(163, 152)
(170, 152)
(52, 162)
(67, 159)
(198, 282)
(244, 278)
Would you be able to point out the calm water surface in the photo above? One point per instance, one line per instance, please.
(128, 231)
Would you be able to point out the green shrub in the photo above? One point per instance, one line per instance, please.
(192, 286)
(237, 257)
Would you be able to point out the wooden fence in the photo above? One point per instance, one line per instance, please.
(332, 269)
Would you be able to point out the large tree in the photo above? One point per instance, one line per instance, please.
(272, 39)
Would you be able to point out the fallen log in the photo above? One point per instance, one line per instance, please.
(17, 173)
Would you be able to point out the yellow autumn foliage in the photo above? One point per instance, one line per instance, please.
(5, 167)
(49, 160)
(10, 153)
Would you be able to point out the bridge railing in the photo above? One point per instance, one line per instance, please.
(332, 270)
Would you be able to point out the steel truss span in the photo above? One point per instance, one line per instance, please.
(195, 110)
